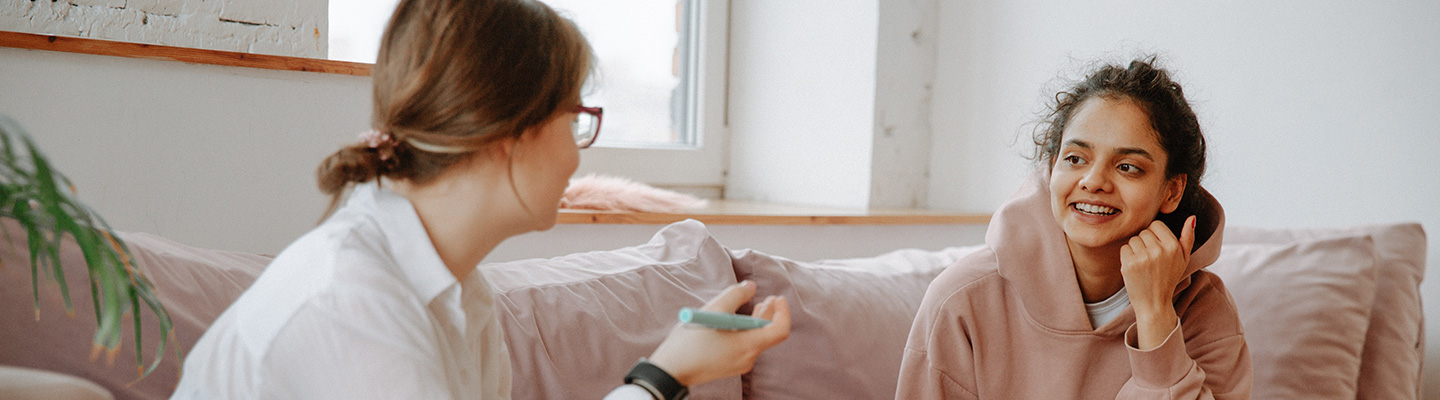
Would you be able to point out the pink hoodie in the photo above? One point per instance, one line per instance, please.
(1008, 322)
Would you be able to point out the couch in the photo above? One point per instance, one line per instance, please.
(1328, 313)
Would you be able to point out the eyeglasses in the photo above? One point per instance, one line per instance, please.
(587, 125)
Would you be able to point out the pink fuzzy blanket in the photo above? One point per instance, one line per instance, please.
(609, 193)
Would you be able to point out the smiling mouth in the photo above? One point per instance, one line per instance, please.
(1092, 209)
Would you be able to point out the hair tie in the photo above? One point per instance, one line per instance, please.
(383, 143)
(435, 148)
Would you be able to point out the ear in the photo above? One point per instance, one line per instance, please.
(501, 149)
(1174, 191)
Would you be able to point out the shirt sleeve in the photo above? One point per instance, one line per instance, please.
(938, 362)
(1218, 370)
(629, 392)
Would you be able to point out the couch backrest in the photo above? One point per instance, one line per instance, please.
(1283, 271)
(194, 284)
(1376, 268)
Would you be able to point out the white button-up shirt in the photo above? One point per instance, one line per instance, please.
(361, 307)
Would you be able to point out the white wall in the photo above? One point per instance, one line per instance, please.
(216, 157)
(802, 101)
(905, 76)
(1317, 113)
(280, 27)
(224, 158)
(829, 102)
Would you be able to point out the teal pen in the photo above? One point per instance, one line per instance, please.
(719, 320)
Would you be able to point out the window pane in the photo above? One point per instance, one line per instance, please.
(355, 28)
(640, 68)
(642, 61)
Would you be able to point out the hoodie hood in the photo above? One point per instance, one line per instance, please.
(1033, 258)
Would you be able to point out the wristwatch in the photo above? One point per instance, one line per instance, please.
(656, 381)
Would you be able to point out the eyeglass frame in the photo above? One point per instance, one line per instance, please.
(599, 113)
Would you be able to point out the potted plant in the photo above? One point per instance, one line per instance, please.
(42, 201)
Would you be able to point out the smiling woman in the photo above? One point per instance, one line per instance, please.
(1079, 264)
(1164, 113)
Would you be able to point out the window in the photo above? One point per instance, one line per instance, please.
(660, 78)
(641, 74)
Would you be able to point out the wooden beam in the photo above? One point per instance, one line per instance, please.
(183, 54)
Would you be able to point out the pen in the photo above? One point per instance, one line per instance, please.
(719, 320)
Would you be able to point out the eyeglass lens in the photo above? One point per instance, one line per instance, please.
(584, 129)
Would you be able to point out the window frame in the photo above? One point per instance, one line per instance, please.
(699, 169)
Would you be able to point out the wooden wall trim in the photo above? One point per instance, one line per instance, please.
(183, 54)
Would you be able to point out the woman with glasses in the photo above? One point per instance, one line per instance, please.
(477, 128)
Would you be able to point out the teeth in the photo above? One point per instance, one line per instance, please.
(1094, 209)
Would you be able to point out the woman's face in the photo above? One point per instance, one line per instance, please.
(1108, 181)
(543, 161)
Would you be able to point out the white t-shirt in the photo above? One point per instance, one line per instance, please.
(361, 307)
(1106, 310)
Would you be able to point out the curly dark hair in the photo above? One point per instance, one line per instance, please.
(1162, 100)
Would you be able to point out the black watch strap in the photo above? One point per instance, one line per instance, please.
(655, 380)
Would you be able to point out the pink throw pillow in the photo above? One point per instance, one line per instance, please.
(1305, 307)
(1395, 341)
(576, 324)
(195, 285)
(850, 319)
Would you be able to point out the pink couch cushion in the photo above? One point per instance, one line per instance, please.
(1394, 341)
(195, 285)
(850, 320)
(1305, 307)
(575, 324)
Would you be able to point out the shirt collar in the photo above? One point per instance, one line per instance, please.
(408, 242)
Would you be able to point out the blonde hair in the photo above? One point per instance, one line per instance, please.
(454, 76)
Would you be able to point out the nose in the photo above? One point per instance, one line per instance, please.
(1095, 180)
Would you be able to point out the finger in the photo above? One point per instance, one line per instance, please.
(732, 298)
(765, 309)
(1165, 240)
(779, 328)
(1161, 230)
(1187, 235)
(1137, 246)
(1152, 242)
(1126, 254)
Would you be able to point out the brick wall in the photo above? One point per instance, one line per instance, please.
(280, 27)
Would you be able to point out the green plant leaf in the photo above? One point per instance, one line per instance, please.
(42, 201)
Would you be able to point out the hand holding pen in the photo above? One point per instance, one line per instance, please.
(695, 354)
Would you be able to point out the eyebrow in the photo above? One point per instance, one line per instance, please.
(1124, 151)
